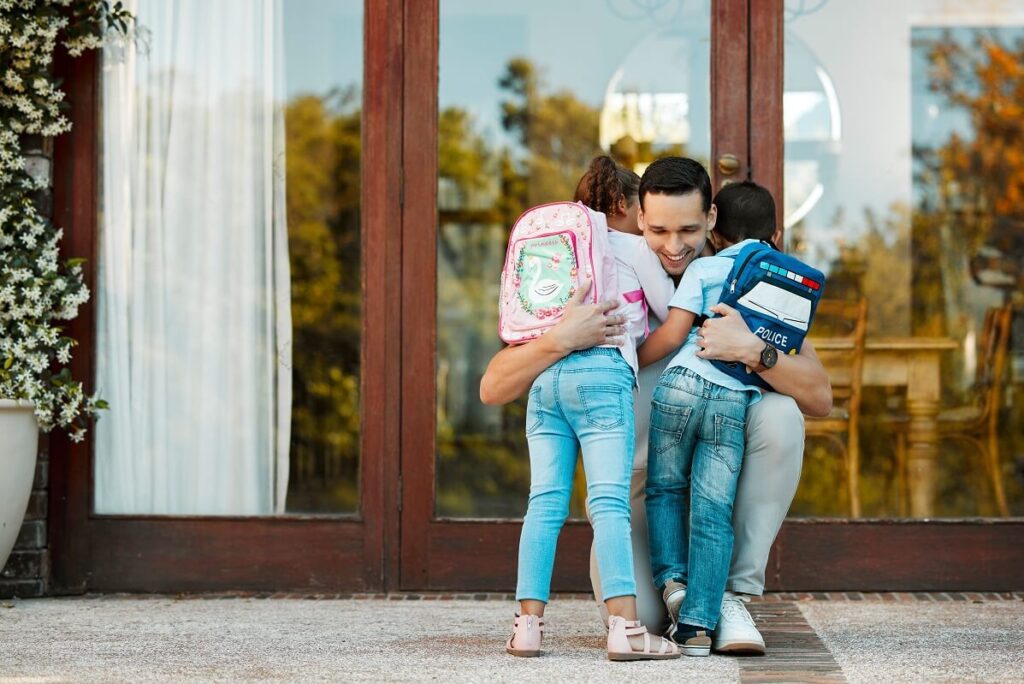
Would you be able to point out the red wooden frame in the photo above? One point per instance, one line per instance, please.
(747, 38)
(196, 553)
(765, 105)
(396, 542)
(450, 554)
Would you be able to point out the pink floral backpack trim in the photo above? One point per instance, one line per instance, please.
(551, 248)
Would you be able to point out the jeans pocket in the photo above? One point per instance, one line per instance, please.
(730, 439)
(534, 415)
(602, 405)
(667, 425)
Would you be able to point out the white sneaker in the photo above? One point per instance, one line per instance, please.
(673, 595)
(736, 632)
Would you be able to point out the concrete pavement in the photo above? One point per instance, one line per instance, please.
(163, 639)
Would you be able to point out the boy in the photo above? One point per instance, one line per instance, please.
(698, 420)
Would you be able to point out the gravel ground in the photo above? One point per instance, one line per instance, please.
(131, 639)
(162, 639)
(922, 642)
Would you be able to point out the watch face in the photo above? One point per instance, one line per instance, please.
(769, 356)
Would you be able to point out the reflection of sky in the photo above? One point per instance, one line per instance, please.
(933, 120)
(579, 51)
(323, 45)
(885, 106)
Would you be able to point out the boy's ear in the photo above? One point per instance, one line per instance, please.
(620, 207)
(713, 236)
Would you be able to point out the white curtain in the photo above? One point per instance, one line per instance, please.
(194, 319)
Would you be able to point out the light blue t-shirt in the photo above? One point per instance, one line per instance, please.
(698, 291)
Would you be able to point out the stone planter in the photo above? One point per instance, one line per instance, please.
(19, 441)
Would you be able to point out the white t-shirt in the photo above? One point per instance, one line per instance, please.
(645, 286)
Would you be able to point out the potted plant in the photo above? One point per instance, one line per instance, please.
(37, 290)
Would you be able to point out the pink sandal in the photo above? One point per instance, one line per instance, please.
(619, 648)
(527, 633)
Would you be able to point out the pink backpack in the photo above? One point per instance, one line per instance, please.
(552, 248)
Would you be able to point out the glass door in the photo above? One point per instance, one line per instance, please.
(512, 101)
(902, 177)
(233, 229)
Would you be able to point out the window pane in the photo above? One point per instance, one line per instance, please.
(323, 124)
(529, 93)
(902, 181)
(229, 287)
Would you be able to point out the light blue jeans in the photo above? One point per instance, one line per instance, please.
(583, 401)
(693, 464)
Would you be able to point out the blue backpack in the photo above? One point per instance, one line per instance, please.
(777, 295)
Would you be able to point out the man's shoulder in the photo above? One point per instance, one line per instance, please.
(633, 251)
(625, 242)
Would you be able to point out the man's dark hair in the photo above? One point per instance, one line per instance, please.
(676, 176)
(746, 211)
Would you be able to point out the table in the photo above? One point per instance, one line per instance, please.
(913, 363)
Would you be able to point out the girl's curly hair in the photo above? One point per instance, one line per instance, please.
(605, 183)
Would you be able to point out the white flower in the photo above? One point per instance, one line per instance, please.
(39, 289)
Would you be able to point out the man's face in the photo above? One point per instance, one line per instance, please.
(675, 227)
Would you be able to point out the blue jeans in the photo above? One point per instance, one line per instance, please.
(694, 456)
(583, 401)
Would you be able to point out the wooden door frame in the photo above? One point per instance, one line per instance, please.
(92, 552)
(866, 555)
(395, 543)
(480, 554)
(809, 554)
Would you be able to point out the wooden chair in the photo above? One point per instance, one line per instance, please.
(976, 424)
(844, 420)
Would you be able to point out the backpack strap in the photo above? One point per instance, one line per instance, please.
(634, 296)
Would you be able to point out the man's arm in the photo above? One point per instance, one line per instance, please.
(800, 376)
(513, 369)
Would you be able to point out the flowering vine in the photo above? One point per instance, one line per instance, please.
(37, 289)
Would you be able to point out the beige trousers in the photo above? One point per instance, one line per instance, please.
(768, 482)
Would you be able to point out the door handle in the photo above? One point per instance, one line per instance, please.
(728, 164)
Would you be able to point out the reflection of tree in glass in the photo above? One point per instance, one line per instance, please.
(483, 469)
(971, 209)
(968, 192)
(323, 189)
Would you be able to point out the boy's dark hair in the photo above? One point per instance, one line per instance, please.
(746, 211)
(605, 183)
(676, 176)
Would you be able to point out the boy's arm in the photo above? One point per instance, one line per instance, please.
(668, 338)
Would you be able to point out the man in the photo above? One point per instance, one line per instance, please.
(675, 217)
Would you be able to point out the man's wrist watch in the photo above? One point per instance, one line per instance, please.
(769, 356)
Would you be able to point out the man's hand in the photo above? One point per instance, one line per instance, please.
(587, 325)
(800, 376)
(728, 338)
(513, 369)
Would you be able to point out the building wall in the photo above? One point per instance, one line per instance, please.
(27, 573)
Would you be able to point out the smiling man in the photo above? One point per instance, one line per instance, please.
(675, 217)
(675, 225)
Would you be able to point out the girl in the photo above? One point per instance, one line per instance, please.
(585, 400)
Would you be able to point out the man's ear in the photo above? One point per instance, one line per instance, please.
(640, 219)
(712, 217)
